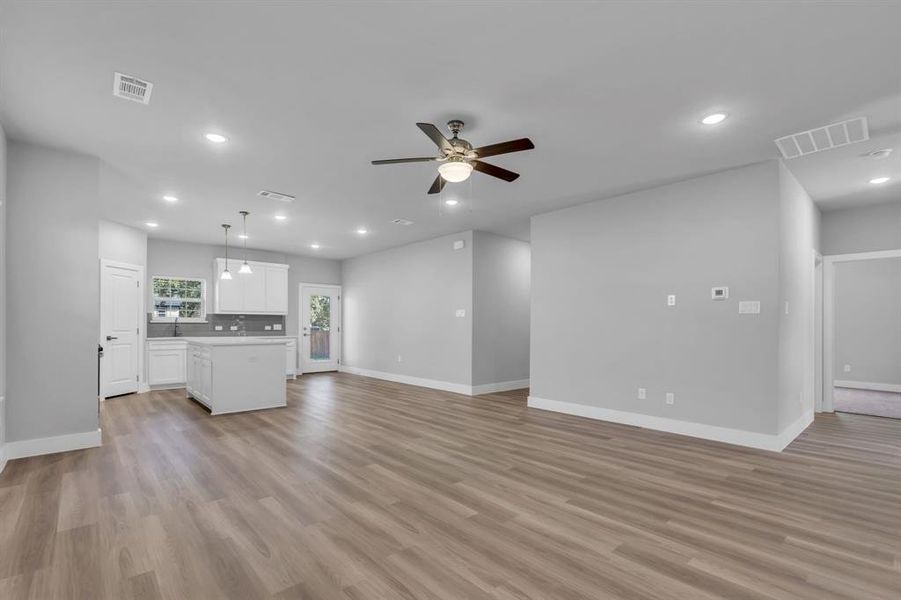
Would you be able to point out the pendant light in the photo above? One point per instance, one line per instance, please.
(225, 274)
(245, 268)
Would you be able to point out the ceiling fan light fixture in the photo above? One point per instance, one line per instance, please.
(455, 170)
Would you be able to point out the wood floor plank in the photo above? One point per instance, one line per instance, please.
(364, 489)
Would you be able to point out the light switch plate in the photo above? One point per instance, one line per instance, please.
(749, 307)
(459, 244)
(461, 312)
(642, 394)
(670, 398)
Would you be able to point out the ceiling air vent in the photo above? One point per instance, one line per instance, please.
(275, 196)
(824, 138)
(132, 88)
(402, 222)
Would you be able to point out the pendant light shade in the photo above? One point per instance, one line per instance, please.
(226, 275)
(245, 268)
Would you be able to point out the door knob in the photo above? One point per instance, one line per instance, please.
(111, 337)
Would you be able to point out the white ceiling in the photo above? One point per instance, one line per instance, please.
(309, 93)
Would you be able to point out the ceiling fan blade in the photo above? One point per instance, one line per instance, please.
(394, 161)
(494, 171)
(435, 135)
(504, 147)
(437, 185)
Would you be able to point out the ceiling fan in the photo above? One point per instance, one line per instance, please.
(458, 158)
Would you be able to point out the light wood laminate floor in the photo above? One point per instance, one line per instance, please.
(367, 489)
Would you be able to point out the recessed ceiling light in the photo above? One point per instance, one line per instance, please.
(714, 118)
(314, 246)
(170, 198)
(878, 180)
(152, 224)
(362, 231)
(243, 236)
(451, 202)
(280, 217)
(216, 138)
(880, 154)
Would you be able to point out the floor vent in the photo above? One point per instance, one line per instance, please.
(132, 88)
(275, 196)
(402, 222)
(828, 137)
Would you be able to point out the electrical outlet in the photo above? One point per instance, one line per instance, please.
(671, 300)
(233, 328)
(218, 327)
(267, 328)
(670, 398)
(847, 368)
(277, 326)
(461, 312)
(642, 394)
(400, 358)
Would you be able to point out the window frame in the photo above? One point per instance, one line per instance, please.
(203, 301)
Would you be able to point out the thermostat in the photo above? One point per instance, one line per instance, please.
(719, 293)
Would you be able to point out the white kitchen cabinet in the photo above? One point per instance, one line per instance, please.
(291, 358)
(262, 292)
(166, 363)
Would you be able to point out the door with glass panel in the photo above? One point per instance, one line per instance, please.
(320, 328)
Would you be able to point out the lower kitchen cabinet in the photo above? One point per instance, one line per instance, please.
(166, 363)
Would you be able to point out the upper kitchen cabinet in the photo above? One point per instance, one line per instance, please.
(263, 292)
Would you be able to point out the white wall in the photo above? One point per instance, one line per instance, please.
(183, 259)
(121, 243)
(799, 236)
(868, 321)
(500, 314)
(601, 328)
(402, 302)
(53, 292)
(864, 229)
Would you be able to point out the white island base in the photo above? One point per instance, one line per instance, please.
(229, 375)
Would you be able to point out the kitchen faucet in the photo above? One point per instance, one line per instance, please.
(175, 329)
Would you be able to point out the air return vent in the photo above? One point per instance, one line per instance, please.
(275, 196)
(824, 138)
(132, 88)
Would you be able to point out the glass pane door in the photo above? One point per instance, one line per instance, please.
(320, 316)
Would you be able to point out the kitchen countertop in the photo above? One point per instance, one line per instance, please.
(229, 340)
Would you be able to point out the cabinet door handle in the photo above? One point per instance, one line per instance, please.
(111, 337)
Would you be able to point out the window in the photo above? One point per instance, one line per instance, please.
(178, 297)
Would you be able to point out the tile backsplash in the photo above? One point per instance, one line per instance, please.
(246, 324)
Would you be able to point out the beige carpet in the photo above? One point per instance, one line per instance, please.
(867, 402)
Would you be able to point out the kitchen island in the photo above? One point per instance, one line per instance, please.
(236, 374)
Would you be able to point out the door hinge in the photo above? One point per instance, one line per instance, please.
(138, 283)
(138, 378)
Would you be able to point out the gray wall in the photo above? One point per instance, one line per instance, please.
(121, 243)
(799, 237)
(500, 315)
(2, 290)
(600, 324)
(182, 259)
(402, 301)
(863, 229)
(53, 292)
(868, 320)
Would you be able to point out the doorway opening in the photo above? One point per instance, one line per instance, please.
(320, 327)
(862, 345)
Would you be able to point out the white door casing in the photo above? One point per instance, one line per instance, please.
(121, 310)
(319, 350)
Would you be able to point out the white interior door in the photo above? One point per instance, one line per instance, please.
(320, 328)
(120, 323)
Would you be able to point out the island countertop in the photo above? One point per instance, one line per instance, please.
(234, 340)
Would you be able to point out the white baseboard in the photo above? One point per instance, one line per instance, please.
(2, 457)
(435, 384)
(739, 437)
(501, 386)
(52, 445)
(868, 385)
